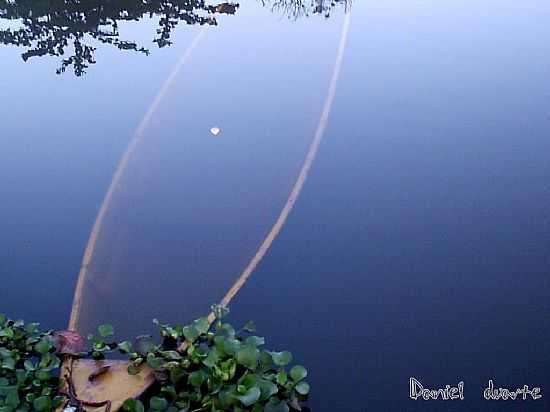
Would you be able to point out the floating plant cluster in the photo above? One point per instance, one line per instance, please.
(204, 366)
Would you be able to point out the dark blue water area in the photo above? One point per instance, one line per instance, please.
(420, 246)
(60, 141)
(192, 209)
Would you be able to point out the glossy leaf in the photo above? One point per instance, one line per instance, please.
(125, 347)
(281, 358)
(297, 373)
(106, 330)
(43, 403)
(302, 388)
(248, 356)
(250, 397)
(158, 404)
(275, 405)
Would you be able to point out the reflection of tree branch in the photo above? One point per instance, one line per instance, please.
(303, 8)
(49, 26)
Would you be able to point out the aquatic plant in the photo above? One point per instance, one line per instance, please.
(204, 366)
(29, 366)
(220, 369)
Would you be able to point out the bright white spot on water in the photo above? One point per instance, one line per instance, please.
(215, 131)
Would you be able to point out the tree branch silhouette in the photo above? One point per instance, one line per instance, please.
(51, 27)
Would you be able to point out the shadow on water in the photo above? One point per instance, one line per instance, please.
(52, 28)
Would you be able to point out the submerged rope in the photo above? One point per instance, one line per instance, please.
(121, 167)
(285, 212)
(304, 172)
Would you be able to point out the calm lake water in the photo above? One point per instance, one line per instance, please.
(418, 247)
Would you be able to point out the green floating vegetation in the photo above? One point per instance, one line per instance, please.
(197, 367)
(29, 368)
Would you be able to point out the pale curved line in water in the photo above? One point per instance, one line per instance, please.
(121, 167)
(285, 212)
(304, 172)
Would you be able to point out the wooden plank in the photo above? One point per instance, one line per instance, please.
(115, 384)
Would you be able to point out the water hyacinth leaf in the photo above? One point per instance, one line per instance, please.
(227, 397)
(212, 359)
(176, 374)
(219, 311)
(226, 370)
(133, 405)
(42, 403)
(231, 346)
(226, 329)
(250, 397)
(219, 372)
(294, 403)
(5, 353)
(125, 347)
(197, 378)
(248, 356)
(158, 404)
(21, 376)
(133, 369)
(266, 361)
(144, 344)
(276, 405)
(58, 401)
(171, 355)
(281, 358)
(6, 333)
(43, 375)
(202, 325)
(302, 388)
(8, 363)
(12, 398)
(255, 341)
(282, 378)
(190, 333)
(46, 360)
(106, 330)
(169, 391)
(297, 373)
(32, 328)
(248, 381)
(249, 327)
(153, 361)
(267, 388)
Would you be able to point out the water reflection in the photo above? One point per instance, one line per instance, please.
(73, 30)
(53, 28)
(304, 8)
